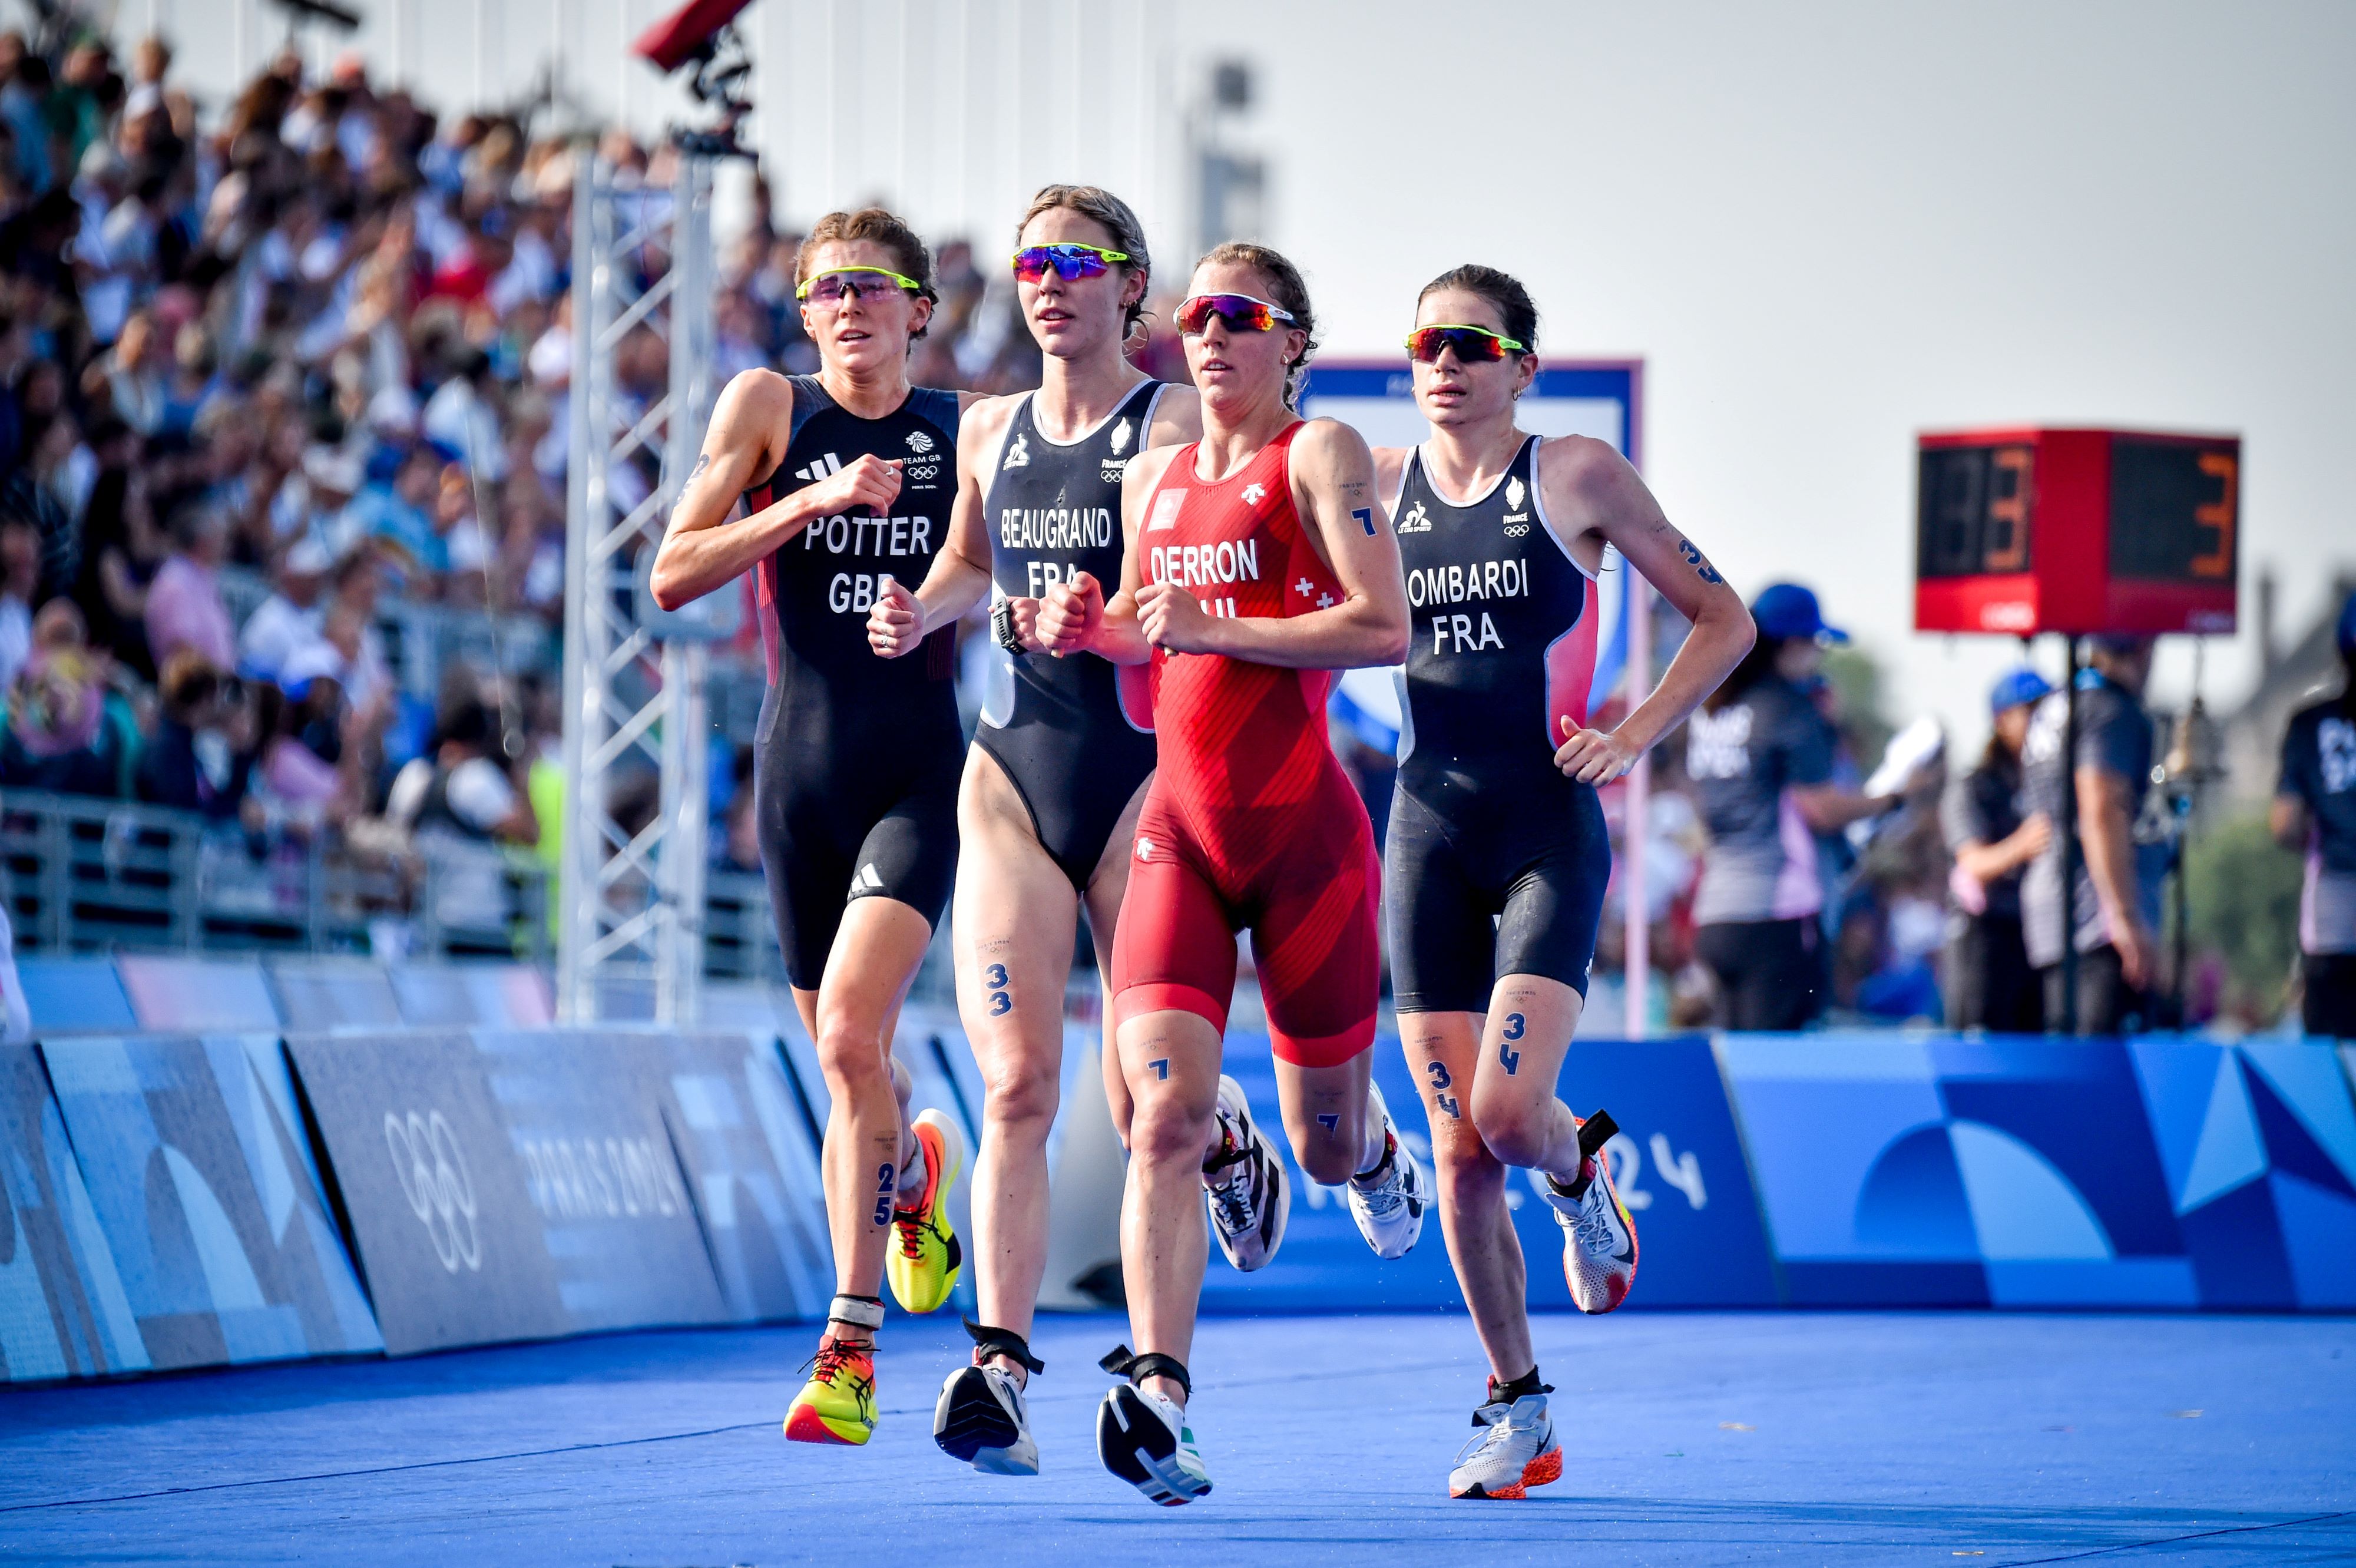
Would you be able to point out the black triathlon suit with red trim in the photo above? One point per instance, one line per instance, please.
(855, 770)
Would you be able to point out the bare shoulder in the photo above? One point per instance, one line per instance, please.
(984, 418)
(966, 399)
(1583, 468)
(756, 395)
(1390, 468)
(1332, 446)
(1177, 417)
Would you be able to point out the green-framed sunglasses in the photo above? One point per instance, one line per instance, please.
(869, 283)
(1469, 342)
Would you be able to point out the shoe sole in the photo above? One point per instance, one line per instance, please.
(804, 1424)
(973, 1427)
(943, 1162)
(1136, 1447)
(1283, 1186)
(1544, 1470)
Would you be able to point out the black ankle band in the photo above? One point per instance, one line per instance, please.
(1003, 1342)
(1152, 1364)
(1527, 1383)
(1594, 1133)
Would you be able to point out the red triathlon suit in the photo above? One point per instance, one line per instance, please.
(1250, 822)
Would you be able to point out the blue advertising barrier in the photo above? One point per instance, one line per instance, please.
(751, 1166)
(63, 1313)
(1677, 1161)
(200, 1174)
(2035, 1172)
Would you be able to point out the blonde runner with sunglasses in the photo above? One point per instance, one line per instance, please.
(1255, 568)
(845, 480)
(1048, 806)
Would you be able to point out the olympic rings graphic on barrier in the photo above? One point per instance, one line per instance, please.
(432, 1170)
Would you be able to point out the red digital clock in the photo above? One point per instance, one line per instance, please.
(2081, 532)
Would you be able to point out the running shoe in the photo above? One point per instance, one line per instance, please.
(838, 1403)
(1599, 1240)
(1516, 1450)
(1244, 1186)
(1144, 1439)
(925, 1257)
(1390, 1205)
(982, 1419)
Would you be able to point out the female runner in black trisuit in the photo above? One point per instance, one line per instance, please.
(847, 480)
(1498, 858)
(1058, 766)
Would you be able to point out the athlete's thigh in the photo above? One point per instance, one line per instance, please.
(1102, 902)
(1443, 1051)
(1174, 945)
(1011, 929)
(876, 953)
(1442, 932)
(1315, 945)
(1524, 1037)
(1169, 1056)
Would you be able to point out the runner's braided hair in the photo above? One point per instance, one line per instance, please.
(1285, 285)
(1113, 215)
(874, 224)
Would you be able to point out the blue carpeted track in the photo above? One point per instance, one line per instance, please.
(1692, 1438)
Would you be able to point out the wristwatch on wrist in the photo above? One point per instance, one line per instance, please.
(1001, 626)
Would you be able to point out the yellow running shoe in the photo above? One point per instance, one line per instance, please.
(924, 1256)
(838, 1404)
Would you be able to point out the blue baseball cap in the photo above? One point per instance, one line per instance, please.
(2347, 626)
(1787, 609)
(2016, 687)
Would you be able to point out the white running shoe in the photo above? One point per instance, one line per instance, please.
(1390, 1212)
(982, 1419)
(1244, 1186)
(1599, 1240)
(1515, 1451)
(1144, 1439)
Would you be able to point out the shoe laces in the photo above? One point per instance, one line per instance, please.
(1494, 1440)
(1594, 1226)
(1232, 1195)
(836, 1363)
(908, 1225)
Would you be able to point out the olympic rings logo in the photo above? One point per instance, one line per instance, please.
(432, 1170)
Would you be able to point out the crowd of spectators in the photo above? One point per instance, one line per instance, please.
(267, 366)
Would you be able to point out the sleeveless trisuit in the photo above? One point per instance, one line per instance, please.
(856, 765)
(1249, 823)
(1496, 862)
(1074, 735)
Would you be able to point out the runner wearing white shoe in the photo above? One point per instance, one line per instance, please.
(1497, 856)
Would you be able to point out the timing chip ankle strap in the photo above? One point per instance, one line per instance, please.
(1152, 1364)
(1003, 1342)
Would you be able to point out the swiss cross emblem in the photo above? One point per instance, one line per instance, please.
(1324, 601)
(1305, 588)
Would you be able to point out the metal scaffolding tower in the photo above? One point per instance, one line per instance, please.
(630, 905)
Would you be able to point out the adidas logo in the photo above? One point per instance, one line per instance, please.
(824, 466)
(867, 881)
(1018, 453)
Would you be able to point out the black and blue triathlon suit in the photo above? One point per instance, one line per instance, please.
(1074, 735)
(1496, 863)
(855, 773)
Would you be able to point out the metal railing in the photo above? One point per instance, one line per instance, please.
(83, 874)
